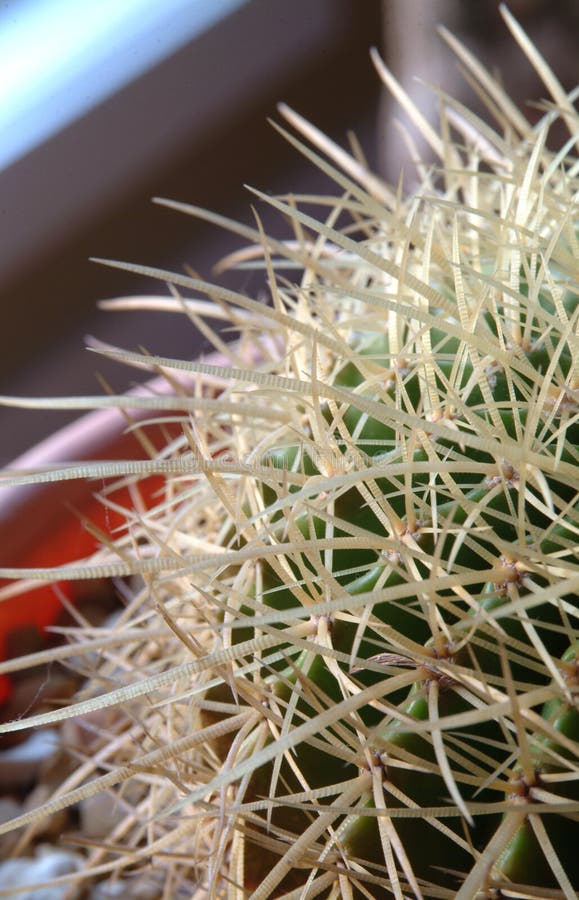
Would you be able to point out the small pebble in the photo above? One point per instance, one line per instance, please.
(99, 815)
(20, 764)
(48, 864)
(127, 889)
(50, 827)
(9, 809)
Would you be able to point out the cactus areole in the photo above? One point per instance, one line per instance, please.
(348, 666)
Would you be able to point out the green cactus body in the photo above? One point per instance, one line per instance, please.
(371, 641)
(523, 859)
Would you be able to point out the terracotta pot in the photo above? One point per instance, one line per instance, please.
(42, 525)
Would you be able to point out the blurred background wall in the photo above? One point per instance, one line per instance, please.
(421, 60)
(192, 126)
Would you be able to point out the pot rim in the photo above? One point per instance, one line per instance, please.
(79, 441)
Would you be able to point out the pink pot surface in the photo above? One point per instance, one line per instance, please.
(41, 525)
(97, 435)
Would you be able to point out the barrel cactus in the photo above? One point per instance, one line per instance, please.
(349, 662)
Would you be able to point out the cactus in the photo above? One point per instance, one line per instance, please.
(350, 661)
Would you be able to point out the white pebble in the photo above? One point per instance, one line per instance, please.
(49, 864)
(20, 763)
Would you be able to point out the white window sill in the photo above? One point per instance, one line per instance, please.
(58, 64)
(139, 115)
